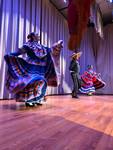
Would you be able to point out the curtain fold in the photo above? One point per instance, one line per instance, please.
(96, 18)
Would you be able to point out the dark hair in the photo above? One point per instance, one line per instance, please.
(30, 36)
(89, 66)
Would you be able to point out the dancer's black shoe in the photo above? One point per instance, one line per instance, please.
(75, 96)
(29, 104)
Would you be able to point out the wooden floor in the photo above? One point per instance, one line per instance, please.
(62, 123)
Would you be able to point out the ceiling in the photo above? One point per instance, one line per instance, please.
(105, 6)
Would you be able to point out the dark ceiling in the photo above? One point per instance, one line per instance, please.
(105, 6)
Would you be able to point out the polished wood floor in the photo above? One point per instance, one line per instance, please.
(62, 123)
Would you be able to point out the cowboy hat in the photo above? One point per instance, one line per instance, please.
(76, 54)
(59, 43)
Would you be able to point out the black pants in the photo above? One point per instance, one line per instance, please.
(76, 84)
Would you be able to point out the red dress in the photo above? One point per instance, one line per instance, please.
(90, 82)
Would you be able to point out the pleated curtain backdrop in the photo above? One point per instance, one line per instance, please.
(105, 59)
(54, 28)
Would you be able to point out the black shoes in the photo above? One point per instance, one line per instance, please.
(75, 96)
(32, 104)
(35, 102)
(28, 104)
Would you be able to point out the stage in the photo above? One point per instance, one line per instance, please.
(62, 123)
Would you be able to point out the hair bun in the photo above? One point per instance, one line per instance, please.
(31, 35)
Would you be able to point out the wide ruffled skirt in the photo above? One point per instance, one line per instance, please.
(24, 80)
(89, 86)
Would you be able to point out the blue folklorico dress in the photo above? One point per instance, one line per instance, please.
(29, 76)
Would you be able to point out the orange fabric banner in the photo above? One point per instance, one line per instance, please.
(78, 16)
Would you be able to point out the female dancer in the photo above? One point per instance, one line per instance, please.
(28, 76)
